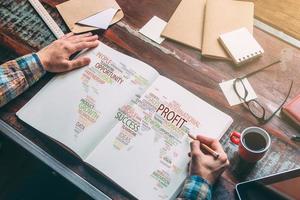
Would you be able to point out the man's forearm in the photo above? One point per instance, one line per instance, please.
(18, 75)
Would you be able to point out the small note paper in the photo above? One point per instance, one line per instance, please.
(153, 29)
(231, 96)
(100, 20)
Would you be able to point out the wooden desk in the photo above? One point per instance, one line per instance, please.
(23, 31)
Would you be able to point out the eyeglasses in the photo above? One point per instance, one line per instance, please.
(256, 109)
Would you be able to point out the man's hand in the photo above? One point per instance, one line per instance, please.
(205, 165)
(55, 57)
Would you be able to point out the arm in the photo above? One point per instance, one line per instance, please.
(204, 170)
(195, 187)
(18, 75)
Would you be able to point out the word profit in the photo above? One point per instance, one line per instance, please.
(170, 115)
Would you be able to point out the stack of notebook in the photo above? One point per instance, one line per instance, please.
(199, 24)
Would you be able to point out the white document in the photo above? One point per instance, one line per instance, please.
(153, 28)
(120, 116)
(100, 20)
(231, 96)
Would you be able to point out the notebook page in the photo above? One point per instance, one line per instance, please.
(146, 152)
(78, 108)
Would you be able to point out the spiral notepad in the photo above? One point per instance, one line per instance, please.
(241, 46)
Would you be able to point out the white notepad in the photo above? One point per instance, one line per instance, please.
(241, 45)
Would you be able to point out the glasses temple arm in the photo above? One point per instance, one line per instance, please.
(254, 72)
(265, 121)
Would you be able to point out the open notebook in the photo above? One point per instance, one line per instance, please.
(124, 119)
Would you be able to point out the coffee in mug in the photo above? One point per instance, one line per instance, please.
(253, 143)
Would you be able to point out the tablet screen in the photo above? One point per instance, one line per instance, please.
(281, 186)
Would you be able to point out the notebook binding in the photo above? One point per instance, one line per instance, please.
(250, 56)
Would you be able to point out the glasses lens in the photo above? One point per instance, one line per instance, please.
(256, 109)
(240, 89)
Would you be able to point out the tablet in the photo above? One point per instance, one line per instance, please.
(284, 185)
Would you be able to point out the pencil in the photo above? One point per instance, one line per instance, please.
(207, 148)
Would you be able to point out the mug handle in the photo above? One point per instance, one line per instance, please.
(235, 137)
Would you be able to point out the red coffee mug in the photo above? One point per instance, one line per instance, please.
(253, 143)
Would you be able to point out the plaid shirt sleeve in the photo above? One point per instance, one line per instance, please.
(18, 75)
(196, 188)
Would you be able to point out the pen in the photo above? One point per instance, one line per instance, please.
(295, 138)
(207, 148)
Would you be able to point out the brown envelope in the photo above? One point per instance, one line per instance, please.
(222, 16)
(73, 11)
(186, 24)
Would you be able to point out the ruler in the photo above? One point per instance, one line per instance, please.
(47, 18)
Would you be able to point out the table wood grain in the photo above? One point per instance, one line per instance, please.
(282, 20)
(23, 31)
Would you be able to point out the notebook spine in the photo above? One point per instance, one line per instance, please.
(249, 57)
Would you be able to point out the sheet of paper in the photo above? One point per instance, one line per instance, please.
(231, 96)
(153, 29)
(100, 20)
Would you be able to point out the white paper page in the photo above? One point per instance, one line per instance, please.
(231, 96)
(153, 29)
(100, 20)
(146, 153)
(78, 108)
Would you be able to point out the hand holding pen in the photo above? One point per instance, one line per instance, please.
(208, 158)
(206, 148)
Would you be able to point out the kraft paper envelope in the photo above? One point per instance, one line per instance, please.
(74, 11)
(222, 16)
(186, 24)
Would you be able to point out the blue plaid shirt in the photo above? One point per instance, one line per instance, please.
(196, 188)
(18, 75)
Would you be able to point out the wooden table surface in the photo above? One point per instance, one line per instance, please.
(23, 31)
